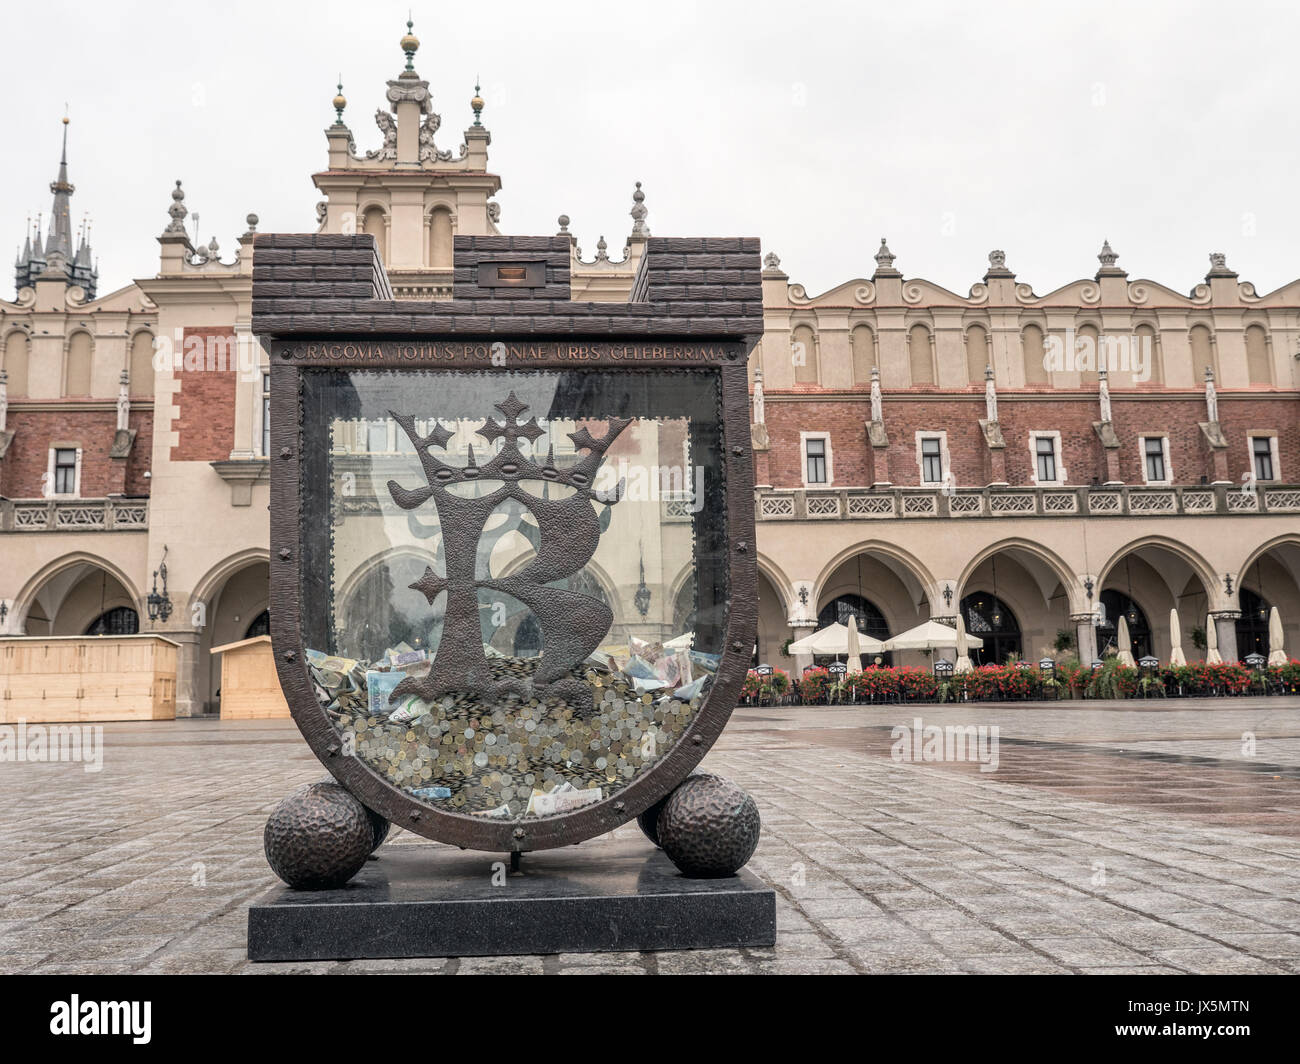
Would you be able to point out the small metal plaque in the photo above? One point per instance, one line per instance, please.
(512, 275)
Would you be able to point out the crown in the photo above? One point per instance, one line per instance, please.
(509, 464)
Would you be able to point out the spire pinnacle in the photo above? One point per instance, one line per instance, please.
(410, 45)
(340, 102)
(476, 104)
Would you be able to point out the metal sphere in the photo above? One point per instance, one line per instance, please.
(648, 821)
(319, 837)
(708, 827)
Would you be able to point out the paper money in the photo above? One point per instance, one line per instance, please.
(379, 688)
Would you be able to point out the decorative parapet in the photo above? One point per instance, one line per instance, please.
(74, 515)
(1117, 501)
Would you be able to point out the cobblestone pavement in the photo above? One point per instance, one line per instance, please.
(1125, 837)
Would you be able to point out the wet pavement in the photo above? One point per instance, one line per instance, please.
(1107, 837)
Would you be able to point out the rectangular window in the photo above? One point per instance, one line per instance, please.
(266, 414)
(931, 459)
(65, 471)
(815, 450)
(1262, 449)
(1045, 458)
(1153, 451)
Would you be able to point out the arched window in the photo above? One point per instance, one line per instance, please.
(1033, 351)
(440, 239)
(1258, 365)
(1087, 353)
(920, 357)
(989, 618)
(119, 621)
(373, 224)
(16, 351)
(1115, 604)
(803, 352)
(870, 620)
(684, 608)
(80, 352)
(864, 354)
(977, 353)
(261, 625)
(141, 367)
(1146, 352)
(1202, 345)
(1252, 625)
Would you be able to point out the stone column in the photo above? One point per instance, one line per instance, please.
(1225, 627)
(1085, 636)
(189, 691)
(947, 653)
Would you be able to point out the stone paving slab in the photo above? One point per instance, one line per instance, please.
(1112, 838)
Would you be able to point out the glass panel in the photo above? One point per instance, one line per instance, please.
(1263, 458)
(491, 616)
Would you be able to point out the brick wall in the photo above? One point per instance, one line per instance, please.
(35, 431)
(1082, 453)
(205, 423)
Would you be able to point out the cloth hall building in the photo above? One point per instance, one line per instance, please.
(1040, 463)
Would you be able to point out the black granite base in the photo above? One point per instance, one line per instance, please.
(425, 900)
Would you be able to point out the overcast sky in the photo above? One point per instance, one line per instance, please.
(952, 129)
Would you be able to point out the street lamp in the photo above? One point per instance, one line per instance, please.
(642, 596)
(160, 604)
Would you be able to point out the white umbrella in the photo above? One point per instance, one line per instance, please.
(834, 639)
(1276, 655)
(1212, 655)
(963, 650)
(853, 646)
(1176, 656)
(929, 635)
(1124, 642)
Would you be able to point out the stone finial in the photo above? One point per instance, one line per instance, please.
(1107, 256)
(602, 250)
(563, 221)
(885, 257)
(178, 211)
(476, 105)
(997, 260)
(340, 102)
(771, 261)
(252, 221)
(638, 212)
(410, 44)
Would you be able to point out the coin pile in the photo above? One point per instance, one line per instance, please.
(491, 757)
